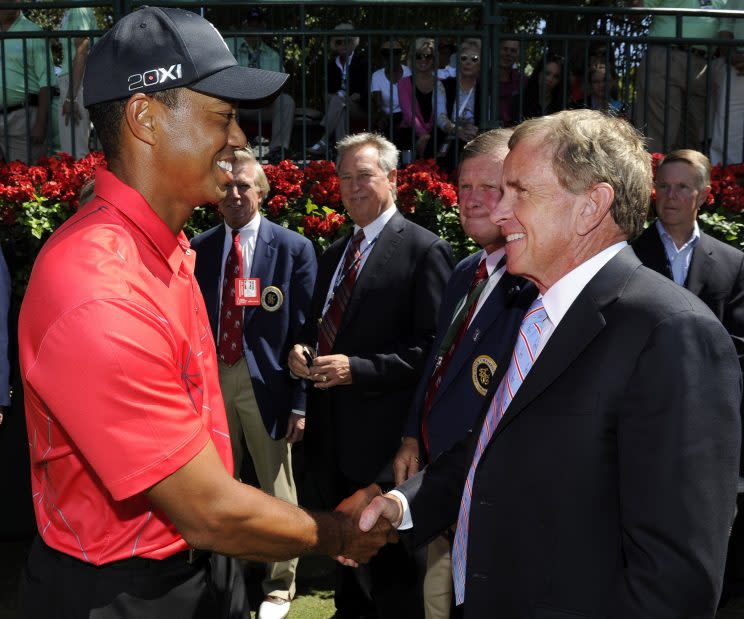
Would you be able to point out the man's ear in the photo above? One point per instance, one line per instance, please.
(596, 206)
(140, 115)
(393, 177)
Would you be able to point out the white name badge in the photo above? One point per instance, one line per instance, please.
(247, 291)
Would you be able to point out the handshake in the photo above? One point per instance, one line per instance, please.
(370, 521)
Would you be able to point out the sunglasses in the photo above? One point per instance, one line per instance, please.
(395, 51)
(424, 56)
(473, 58)
(337, 42)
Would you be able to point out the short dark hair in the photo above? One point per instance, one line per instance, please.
(108, 116)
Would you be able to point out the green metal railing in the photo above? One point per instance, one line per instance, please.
(300, 31)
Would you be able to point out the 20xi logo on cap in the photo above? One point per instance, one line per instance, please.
(156, 49)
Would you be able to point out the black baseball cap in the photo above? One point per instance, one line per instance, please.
(155, 49)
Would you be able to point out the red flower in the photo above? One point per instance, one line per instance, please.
(276, 205)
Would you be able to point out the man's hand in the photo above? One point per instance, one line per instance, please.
(39, 130)
(330, 370)
(70, 111)
(295, 428)
(297, 363)
(383, 514)
(2, 414)
(407, 461)
(360, 546)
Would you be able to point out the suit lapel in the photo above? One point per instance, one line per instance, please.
(491, 311)
(264, 258)
(379, 255)
(581, 324)
(651, 251)
(702, 262)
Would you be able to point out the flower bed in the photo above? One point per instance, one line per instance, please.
(35, 200)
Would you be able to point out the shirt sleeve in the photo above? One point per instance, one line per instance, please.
(108, 373)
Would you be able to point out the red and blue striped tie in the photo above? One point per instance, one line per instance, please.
(522, 359)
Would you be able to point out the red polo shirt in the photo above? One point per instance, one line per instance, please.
(120, 377)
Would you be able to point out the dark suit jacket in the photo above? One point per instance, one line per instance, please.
(459, 399)
(716, 277)
(283, 259)
(387, 330)
(358, 76)
(608, 488)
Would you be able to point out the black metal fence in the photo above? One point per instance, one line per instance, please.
(683, 89)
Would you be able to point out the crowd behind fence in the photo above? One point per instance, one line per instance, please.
(428, 78)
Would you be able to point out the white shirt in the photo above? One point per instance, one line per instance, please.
(556, 300)
(381, 84)
(494, 278)
(679, 258)
(371, 231)
(247, 238)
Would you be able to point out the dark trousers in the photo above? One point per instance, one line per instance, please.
(57, 585)
(390, 585)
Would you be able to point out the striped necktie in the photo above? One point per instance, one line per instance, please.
(331, 320)
(523, 357)
(450, 342)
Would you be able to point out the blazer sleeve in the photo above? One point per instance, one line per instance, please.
(434, 494)
(678, 440)
(733, 313)
(402, 366)
(302, 283)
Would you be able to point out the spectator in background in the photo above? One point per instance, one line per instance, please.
(348, 85)
(579, 84)
(252, 51)
(264, 404)
(384, 89)
(421, 99)
(23, 113)
(373, 319)
(601, 83)
(446, 60)
(73, 120)
(481, 311)
(678, 122)
(4, 361)
(543, 95)
(727, 144)
(511, 82)
(462, 112)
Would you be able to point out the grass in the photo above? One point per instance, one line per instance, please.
(314, 597)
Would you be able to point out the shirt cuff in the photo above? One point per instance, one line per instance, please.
(298, 412)
(407, 522)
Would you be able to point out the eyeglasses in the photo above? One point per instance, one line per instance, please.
(473, 58)
(395, 51)
(424, 56)
(337, 42)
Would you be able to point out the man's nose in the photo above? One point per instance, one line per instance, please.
(502, 211)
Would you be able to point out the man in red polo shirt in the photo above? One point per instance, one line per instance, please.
(130, 450)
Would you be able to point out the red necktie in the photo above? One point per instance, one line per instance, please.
(331, 320)
(230, 346)
(463, 318)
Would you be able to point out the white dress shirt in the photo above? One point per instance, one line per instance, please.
(556, 300)
(247, 236)
(371, 231)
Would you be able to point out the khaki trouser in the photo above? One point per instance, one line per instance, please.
(16, 129)
(438, 579)
(683, 114)
(77, 131)
(281, 112)
(271, 459)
